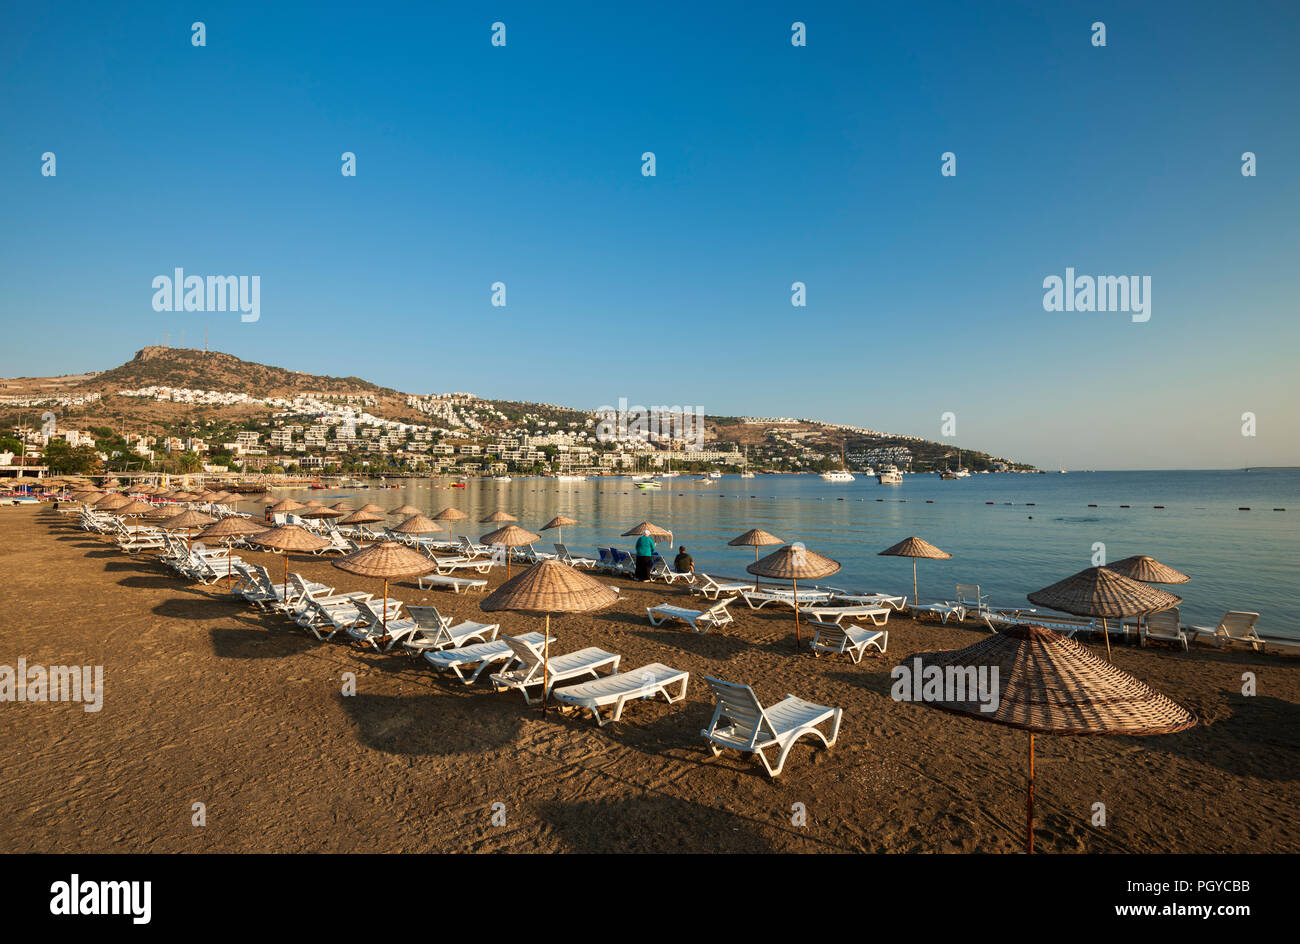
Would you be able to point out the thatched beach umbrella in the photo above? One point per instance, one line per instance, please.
(794, 562)
(405, 511)
(549, 587)
(498, 517)
(361, 517)
(450, 514)
(286, 538)
(1147, 570)
(225, 531)
(1101, 593)
(1044, 684)
(342, 506)
(559, 521)
(189, 520)
(416, 524)
(755, 538)
(510, 536)
(371, 508)
(285, 506)
(134, 508)
(112, 501)
(915, 547)
(386, 559)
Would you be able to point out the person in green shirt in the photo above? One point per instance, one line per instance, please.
(683, 563)
(645, 552)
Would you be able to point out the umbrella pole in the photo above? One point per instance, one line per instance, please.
(798, 636)
(1106, 632)
(546, 662)
(286, 580)
(916, 596)
(384, 622)
(1029, 805)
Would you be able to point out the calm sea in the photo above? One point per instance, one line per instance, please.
(1037, 529)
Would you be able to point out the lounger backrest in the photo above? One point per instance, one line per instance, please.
(1166, 622)
(718, 612)
(739, 705)
(833, 633)
(1239, 624)
(968, 595)
(563, 552)
(525, 652)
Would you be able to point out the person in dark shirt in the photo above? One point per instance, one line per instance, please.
(683, 563)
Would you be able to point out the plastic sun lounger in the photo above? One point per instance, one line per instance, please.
(455, 584)
(872, 599)
(617, 690)
(854, 640)
(436, 631)
(446, 565)
(483, 654)
(711, 588)
(562, 551)
(753, 729)
(772, 595)
(587, 661)
(1164, 626)
(942, 610)
(1236, 626)
(879, 615)
(716, 615)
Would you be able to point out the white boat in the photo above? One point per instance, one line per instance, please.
(570, 478)
(746, 475)
(889, 475)
(649, 486)
(715, 475)
(838, 475)
(962, 473)
(501, 478)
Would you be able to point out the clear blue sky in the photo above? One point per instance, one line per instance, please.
(775, 164)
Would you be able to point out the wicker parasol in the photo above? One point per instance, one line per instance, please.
(405, 511)
(225, 531)
(286, 538)
(133, 508)
(386, 559)
(1147, 570)
(559, 521)
(794, 562)
(511, 536)
(1045, 684)
(189, 520)
(755, 538)
(498, 517)
(417, 524)
(285, 506)
(915, 547)
(549, 587)
(371, 508)
(450, 514)
(342, 506)
(1099, 592)
(112, 501)
(645, 527)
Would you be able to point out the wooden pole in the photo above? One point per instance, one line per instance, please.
(546, 662)
(1106, 632)
(798, 636)
(916, 595)
(1029, 806)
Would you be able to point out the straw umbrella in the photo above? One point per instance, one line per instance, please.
(645, 527)
(510, 536)
(286, 538)
(371, 508)
(794, 562)
(450, 514)
(1099, 592)
(361, 516)
(386, 559)
(559, 521)
(755, 538)
(226, 530)
(285, 506)
(405, 511)
(416, 524)
(915, 547)
(498, 517)
(1147, 570)
(342, 506)
(549, 587)
(112, 502)
(134, 508)
(1046, 684)
(189, 520)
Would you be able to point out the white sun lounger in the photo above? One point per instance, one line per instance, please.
(448, 565)
(589, 661)
(757, 599)
(711, 588)
(1236, 626)
(834, 638)
(872, 599)
(1164, 626)
(562, 551)
(879, 615)
(438, 632)
(716, 615)
(454, 584)
(752, 729)
(483, 654)
(942, 610)
(617, 690)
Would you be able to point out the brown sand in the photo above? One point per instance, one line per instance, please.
(209, 701)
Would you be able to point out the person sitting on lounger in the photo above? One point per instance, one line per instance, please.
(645, 552)
(683, 563)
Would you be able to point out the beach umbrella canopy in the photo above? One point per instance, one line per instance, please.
(511, 536)
(1101, 593)
(450, 514)
(645, 527)
(112, 501)
(387, 560)
(286, 505)
(360, 516)
(227, 529)
(417, 524)
(559, 521)
(549, 587)
(755, 538)
(1147, 570)
(321, 512)
(188, 519)
(133, 508)
(341, 506)
(498, 517)
(794, 562)
(371, 508)
(406, 511)
(914, 548)
(286, 538)
(1044, 684)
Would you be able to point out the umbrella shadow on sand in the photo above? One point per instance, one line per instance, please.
(649, 823)
(254, 642)
(198, 607)
(154, 583)
(1256, 736)
(433, 725)
(706, 645)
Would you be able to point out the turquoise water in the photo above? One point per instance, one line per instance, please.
(1239, 560)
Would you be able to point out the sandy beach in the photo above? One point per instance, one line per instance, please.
(210, 701)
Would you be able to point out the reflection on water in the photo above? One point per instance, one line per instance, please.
(1010, 534)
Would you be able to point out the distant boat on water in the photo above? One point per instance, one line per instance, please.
(842, 474)
(889, 475)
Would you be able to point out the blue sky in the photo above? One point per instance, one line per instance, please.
(775, 164)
